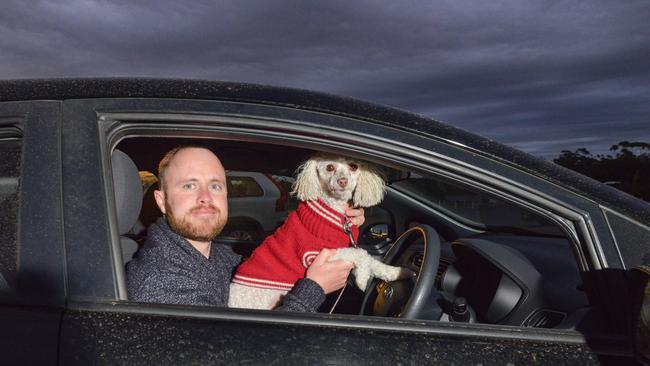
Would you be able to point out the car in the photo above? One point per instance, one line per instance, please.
(257, 205)
(518, 260)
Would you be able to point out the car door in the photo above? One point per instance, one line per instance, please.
(32, 288)
(101, 325)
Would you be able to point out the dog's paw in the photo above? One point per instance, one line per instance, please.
(405, 273)
(391, 273)
(388, 274)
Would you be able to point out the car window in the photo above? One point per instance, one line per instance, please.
(506, 232)
(475, 208)
(11, 151)
(243, 187)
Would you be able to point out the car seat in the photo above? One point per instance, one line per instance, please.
(150, 211)
(128, 199)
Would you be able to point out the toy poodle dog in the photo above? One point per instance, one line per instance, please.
(326, 185)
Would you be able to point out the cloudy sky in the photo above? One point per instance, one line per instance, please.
(542, 76)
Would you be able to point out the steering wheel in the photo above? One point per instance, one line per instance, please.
(387, 298)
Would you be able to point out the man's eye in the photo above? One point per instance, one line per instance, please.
(330, 167)
(189, 185)
(216, 187)
(353, 167)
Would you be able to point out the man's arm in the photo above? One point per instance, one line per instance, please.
(323, 277)
(165, 288)
(306, 296)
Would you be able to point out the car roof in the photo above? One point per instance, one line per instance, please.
(63, 89)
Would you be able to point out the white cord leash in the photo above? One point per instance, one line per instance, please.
(348, 230)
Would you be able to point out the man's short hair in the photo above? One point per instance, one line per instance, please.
(164, 163)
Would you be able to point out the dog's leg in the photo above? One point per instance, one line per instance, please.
(362, 276)
(366, 267)
(253, 298)
(388, 273)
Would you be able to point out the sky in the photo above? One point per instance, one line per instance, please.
(541, 76)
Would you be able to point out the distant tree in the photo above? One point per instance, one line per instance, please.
(628, 170)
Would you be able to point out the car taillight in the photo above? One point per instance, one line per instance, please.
(281, 203)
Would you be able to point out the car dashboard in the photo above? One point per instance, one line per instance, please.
(501, 284)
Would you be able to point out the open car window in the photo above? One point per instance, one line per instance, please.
(260, 199)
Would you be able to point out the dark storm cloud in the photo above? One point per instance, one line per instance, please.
(542, 76)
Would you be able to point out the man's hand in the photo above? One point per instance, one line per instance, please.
(356, 216)
(331, 276)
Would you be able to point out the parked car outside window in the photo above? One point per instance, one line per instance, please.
(257, 205)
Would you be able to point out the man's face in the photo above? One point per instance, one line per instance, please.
(194, 196)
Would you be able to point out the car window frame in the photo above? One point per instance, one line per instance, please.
(167, 125)
(119, 118)
(497, 190)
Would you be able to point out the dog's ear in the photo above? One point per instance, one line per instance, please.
(307, 186)
(370, 187)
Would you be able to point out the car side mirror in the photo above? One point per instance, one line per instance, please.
(640, 315)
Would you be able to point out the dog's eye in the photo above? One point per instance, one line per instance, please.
(353, 167)
(330, 167)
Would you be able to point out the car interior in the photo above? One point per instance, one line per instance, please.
(479, 257)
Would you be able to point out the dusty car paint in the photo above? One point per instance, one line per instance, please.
(92, 336)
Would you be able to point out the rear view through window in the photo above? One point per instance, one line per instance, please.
(475, 208)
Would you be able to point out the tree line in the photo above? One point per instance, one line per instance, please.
(626, 168)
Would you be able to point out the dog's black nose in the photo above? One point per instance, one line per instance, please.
(343, 182)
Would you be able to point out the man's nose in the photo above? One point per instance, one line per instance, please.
(204, 195)
(343, 182)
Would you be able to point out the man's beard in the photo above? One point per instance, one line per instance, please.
(185, 228)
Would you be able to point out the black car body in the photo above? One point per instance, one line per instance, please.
(541, 254)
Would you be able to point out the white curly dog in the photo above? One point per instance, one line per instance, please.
(325, 185)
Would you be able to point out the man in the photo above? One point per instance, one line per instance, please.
(181, 264)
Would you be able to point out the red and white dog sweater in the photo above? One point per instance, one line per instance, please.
(283, 257)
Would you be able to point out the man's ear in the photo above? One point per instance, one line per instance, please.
(160, 200)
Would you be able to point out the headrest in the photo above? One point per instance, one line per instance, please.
(128, 190)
